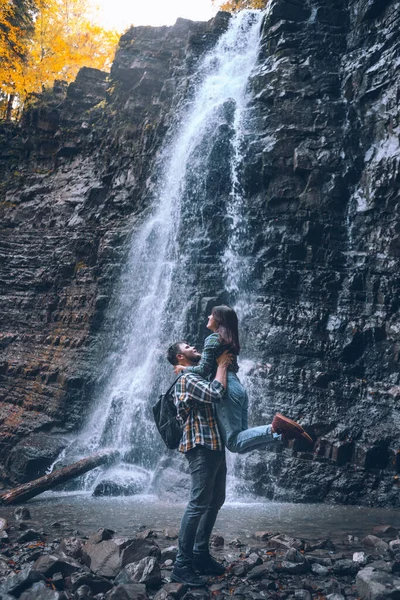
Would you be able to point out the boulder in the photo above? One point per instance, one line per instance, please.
(171, 533)
(98, 585)
(169, 553)
(345, 567)
(261, 571)
(32, 456)
(128, 591)
(18, 583)
(360, 558)
(108, 557)
(48, 564)
(292, 568)
(146, 571)
(285, 541)
(30, 535)
(71, 547)
(40, 591)
(394, 546)
(379, 545)
(377, 585)
(22, 513)
(386, 530)
(319, 570)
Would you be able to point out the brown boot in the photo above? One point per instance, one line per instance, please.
(290, 429)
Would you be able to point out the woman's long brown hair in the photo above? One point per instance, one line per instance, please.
(228, 330)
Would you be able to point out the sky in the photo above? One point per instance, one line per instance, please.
(120, 14)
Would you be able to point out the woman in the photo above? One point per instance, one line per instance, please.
(232, 411)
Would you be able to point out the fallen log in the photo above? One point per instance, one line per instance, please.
(29, 490)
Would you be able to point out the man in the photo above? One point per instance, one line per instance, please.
(196, 399)
(204, 450)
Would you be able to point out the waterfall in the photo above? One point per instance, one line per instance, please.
(197, 171)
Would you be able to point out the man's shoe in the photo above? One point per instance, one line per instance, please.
(289, 429)
(208, 565)
(186, 575)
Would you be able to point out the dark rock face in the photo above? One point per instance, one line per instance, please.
(321, 181)
(73, 178)
(30, 458)
(326, 266)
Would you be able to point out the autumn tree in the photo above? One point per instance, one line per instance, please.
(16, 30)
(235, 5)
(64, 39)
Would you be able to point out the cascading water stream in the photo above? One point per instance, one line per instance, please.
(151, 303)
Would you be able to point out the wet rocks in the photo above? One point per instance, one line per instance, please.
(32, 456)
(376, 585)
(253, 570)
(146, 571)
(372, 541)
(18, 582)
(108, 557)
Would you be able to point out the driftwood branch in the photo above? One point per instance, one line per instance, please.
(29, 490)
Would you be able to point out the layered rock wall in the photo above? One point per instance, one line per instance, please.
(326, 271)
(74, 176)
(321, 182)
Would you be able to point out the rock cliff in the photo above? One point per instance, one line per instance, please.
(321, 182)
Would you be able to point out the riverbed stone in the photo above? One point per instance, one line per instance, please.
(385, 530)
(169, 553)
(197, 594)
(377, 585)
(261, 571)
(19, 582)
(302, 595)
(171, 533)
(49, 564)
(40, 591)
(318, 569)
(108, 557)
(97, 584)
(22, 513)
(394, 546)
(71, 546)
(30, 535)
(381, 565)
(146, 571)
(345, 566)
(83, 592)
(101, 535)
(379, 545)
(285, 541)
(360, 558)
(128, 591)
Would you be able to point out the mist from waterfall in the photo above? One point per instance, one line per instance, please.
(150, 305)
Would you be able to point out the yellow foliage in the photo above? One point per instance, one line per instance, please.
(63, 41)
(234, 5)
(16, 24)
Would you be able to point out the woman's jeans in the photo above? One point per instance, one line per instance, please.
(207, 494)
(233, 421)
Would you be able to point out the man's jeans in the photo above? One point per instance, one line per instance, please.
(233, 421)
(207, 494)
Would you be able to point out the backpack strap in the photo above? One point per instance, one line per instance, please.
(173, 384)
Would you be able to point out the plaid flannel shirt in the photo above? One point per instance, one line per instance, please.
(194, 399)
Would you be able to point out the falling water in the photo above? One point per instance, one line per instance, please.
(151, 302)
